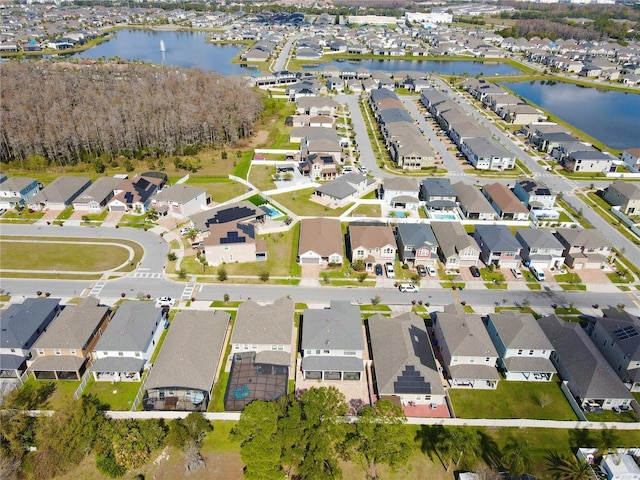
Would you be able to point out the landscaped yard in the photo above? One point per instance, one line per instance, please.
(260, 176)
(62, 394)
(220, 189)
(513, 400)
(367, 210)
(299, 202)
(119, 396)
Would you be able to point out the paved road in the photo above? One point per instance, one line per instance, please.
(281, 61)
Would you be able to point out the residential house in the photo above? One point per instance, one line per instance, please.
(587, 161)
(585, 248)
(524, 350)
(625, 195)
(59, 194)
(261, 345)
(630, 156)
(63, 351)
(405, 370)
(506, 204)
(465, 346)
(344, 188)
(588, 375)
(135, 194)
(400, 192)
(410, 151)
(321, 242)
(186, 368)
(487, 154)
(333, 343)
(316, 106)
(180, 200)
(540, 249)
(498, 246)
(242, 211)
(16, 191)
(617, 336)
(520, 114)
(467, 129)
(319, 166)
(96, 196)
(372, 244)
(127, 344)
(233, 242)
(534, 194)
(438, 194)
(417, 244)
(21, 324)
(457, 248)
(473, 204)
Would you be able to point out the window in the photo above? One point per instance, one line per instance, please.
(138, 354)
(13, 350)
(349, 352)
(57, 351)
(454, 359)
(519, 352)
(472, 360)
(326, 352)
(72, 351)
(277, 347)
(225, 248)
(488, 359)
(105, 353)
(120, 354)
(230, 257)
(530, 352)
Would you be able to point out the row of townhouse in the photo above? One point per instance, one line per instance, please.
(116, 194)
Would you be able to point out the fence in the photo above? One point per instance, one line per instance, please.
(572, 401)
(83, 383)
(141, 391)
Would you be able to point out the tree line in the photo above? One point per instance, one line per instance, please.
(70, 113)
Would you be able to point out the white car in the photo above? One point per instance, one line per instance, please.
(431, 271)
(363, 170)
(516, 273)
(408, 288)
(184, 230)
(165, 302)
(391, 273)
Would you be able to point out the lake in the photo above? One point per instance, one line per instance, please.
(183, 49)
(608, 116)
(452, 67)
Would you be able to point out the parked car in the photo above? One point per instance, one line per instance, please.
(431, 271)
(378, 270)
(347, 169)
(475, 271)
(516, 273)
(421, 270)
(165, 302)
(391, 273)
(363, 170)
(184, 230)
(408, 288)
(537, 273)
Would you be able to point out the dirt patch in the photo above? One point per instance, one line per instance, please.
(259, 138)
(220, 466)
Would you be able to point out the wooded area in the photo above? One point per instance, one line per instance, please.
(71, 113)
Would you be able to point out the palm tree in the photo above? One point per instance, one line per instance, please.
(516, 456)
(569, 468)
(460, 446)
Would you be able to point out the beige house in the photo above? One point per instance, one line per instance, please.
(320, 242)
(373, 244)
(233, 242)
(586, 248)
(506, 204)
(457, 248)
(625, 195)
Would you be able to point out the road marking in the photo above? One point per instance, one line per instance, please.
(139, 274)
(187, 293)
(97, 288)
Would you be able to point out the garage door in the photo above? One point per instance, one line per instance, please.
(310, 260)
(117, 208)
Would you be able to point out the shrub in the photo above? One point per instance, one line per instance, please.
(222, 274)
(225, 297)
(264, 276)
(171, 256)
(106, 464)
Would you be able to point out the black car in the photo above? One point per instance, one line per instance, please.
(475, 271)
(421, 270)
(379, 270)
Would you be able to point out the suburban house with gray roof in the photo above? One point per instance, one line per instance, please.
(186, 368)
(134, 194)
(506, 204)
(96, 196)
(590, 378)
(585, 248)
(625, 195)
(487, 154)
(524, 350)
(261, 345)
(404, 365)
(617, 336)
(233, 242)
(534, 194)
(321, 242)
(371, 244)
(473, 204)
(243, 211)
(400, 192)
(498, 246)
(180, 200)
(333, 343)
(344, 188)
(466, 129)
(457, 248)
(438, 194)
(17, 191)
(21, 324)
(466, 348)
(59, 194)
(417, 244)
(127, 344)
(64, 350)
(540, 248)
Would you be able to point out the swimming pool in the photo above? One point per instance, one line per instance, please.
(443, 215)
(270, 211)
(398, 214)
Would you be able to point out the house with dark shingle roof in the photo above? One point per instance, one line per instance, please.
(498, 246)
(578, 361)
(21, 324)
(403, 361)
(506, 204)
(457, 248)
(585, 248)
(134, 195)
(96, 196)
(16, 191)
(417, 244)
(333, 343)
(59, 194)
(466, 348)
(523, 348)
(186, 368)
(372, 244)
(128, 343)
(180, 200)
(344, 188)
(321, 242)
(233, 242)
(540, 248)
(625, 195)
(243, 211)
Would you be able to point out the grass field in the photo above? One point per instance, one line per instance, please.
(367, 210)
(260, 176)
(299, 202)
(119, 396)
(220, 189)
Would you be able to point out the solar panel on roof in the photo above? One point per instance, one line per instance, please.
(411, 381)
(624, 333)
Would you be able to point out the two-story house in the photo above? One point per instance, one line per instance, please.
(473, 204)
(233, 242)
(467, 351)
(64, 350)
(319, 166)
(625, 195)
(585, 248)
(333, 343)
(456, 248)
(533, 194)
(400, 192)
(506, 204)
(438, 194)
(135, 194)
(540, 248)
(487, 154)
(16, 191)
(417, 244)
(21, 324)
(180, 200)
(372, 244)
(498, 246)
(524, 350)
(127, 344)
(617, 336)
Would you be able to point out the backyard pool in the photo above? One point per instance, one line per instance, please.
(443, 215)
(271, 211)
(398, 214)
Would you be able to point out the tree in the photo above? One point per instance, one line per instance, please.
(379, 437)
(607, 440)
(264, 276)
(362, 277)
(17, 432)
(191, 234)
(132, 441)
(127, 165)
(516, 456)
(460, 446)
(358, 265)
(222, 273)
(568, 468)
(99, 166)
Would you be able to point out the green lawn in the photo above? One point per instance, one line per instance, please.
(66, 213)
(567, 278)
(220, 188)
(260, 176)
(512, 400)
(367, 210)
(119, 396)
(62, 394)
(299, 202)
